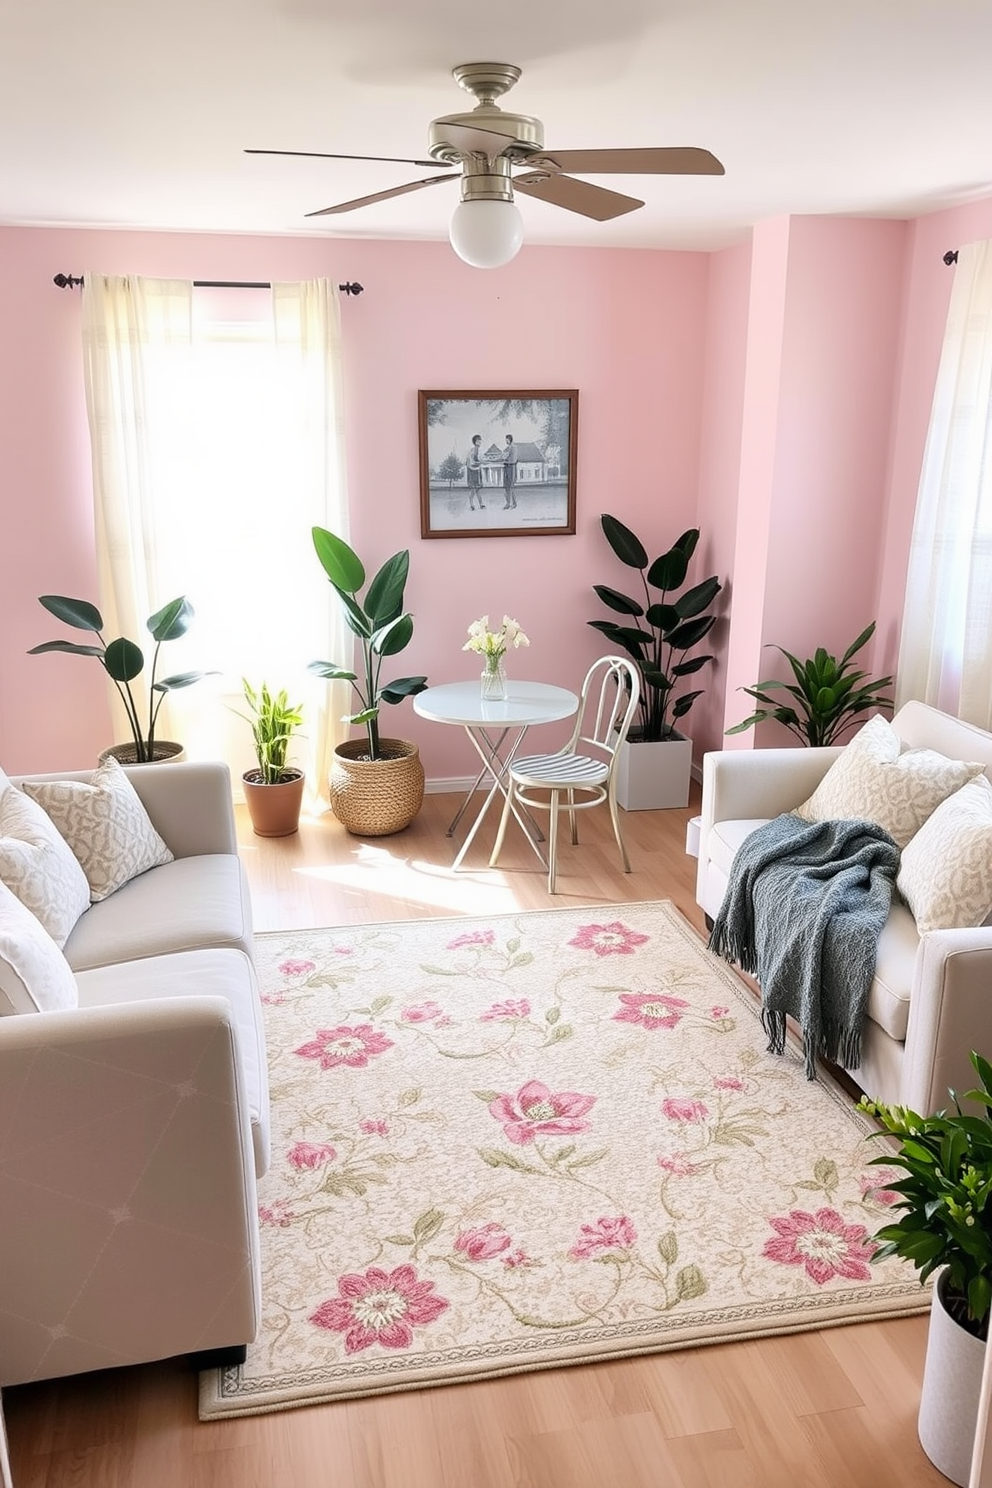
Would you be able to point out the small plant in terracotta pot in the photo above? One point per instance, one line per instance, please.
(274, 789)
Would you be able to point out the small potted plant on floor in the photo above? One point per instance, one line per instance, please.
(661, 627)
(273, 790)
(377, 783)
(943, 1225)
(123, 661)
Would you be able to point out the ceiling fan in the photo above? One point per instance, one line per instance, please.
(486, 228)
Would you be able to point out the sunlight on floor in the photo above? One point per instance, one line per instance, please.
(376, 870)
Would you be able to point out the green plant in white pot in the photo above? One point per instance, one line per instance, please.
(124, 661)
(660, 627)
(377, 785)
(942, 1224)
(274, 789)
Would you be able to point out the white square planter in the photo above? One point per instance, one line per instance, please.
(654, 776)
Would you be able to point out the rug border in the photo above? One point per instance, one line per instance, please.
(217, 1394)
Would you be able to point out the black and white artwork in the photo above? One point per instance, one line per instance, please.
(497, 464)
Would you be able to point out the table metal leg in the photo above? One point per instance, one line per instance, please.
(497, 766)
(486, 769)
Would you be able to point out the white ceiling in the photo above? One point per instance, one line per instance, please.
(135, 113)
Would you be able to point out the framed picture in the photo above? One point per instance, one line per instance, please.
(495, 464)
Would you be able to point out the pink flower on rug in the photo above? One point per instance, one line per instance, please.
(508, 1011)
(821, 1242)
(276, 1213)
(484, 1242)
(719, 1012)
(536, 1111)
(873, 1186)
(379, 1307)
(374, 1128)
(606, 1234)
(728, 1082)
(517, 1258)
(422, 1012)
(273, 999)
(310, 1155)
(614, 939)
(472, 938)
(353, 1046)
(679, 1109)
(679, 1167)
(297, 968)
(650, 1009)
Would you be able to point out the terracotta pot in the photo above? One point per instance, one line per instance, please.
(274, 809)
(952, 1380)
(374, 798)
(164, 752)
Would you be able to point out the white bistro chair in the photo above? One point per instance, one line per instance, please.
(584, 770)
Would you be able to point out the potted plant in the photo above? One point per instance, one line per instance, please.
(944, 1227)
(273, 790)
(377, 784)
(124, 662)
(827, 697)
(665, 623)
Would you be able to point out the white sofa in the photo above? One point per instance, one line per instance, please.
(133, 1127)
(930, 1002)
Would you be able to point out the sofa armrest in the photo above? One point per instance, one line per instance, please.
(741, 784)
(128, 1213)
(190, 805)
(950, 1014)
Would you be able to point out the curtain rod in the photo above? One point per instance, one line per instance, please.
(951, 256)
(69, 281)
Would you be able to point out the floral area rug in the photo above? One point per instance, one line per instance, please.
(535, 1140)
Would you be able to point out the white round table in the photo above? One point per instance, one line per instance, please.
(488, 724)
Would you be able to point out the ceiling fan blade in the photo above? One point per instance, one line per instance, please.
(378, 196)
(472, 141)
(576, 196)
(686, 161)
(321, 155)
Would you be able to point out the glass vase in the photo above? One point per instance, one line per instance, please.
(494, 680)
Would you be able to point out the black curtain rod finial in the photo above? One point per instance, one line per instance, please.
(70, 281)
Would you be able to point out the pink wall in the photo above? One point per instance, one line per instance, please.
(624, 327)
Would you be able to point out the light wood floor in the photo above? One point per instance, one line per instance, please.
(836, 1407)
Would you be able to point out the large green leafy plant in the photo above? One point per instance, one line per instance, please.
(378, 621)
(827, 696)
(661, 626)
(124, 661)
(945, 1198)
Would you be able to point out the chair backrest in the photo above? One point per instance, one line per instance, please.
(607, 706)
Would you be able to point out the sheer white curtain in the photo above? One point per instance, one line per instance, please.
(946, 651)
(218, 445)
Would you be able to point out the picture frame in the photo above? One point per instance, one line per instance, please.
(497, 463)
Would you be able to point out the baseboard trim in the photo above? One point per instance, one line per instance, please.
(460, 783)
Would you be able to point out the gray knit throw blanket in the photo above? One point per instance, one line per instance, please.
(804, 907)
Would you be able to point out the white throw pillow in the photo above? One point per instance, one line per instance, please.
(38, 865)
(105, 824)
(34, 975)
(875, 780)
(946, 871)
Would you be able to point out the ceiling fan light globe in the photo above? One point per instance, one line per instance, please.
(486, 234)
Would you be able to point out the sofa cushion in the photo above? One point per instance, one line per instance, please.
(725, 838)
(39, 866)
(188, 903)
(202, 973)
(105, 824)
(872, 780)
(946, 871)
(34, 975)
(889, 994)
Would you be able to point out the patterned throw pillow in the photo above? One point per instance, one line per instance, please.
(105, 824)
(38, 865)
(34, 975)
(946, 871)
(873, 781)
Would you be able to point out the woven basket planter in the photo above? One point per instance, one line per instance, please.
(164, 752)
(374, 798)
